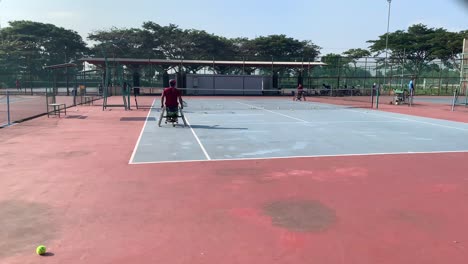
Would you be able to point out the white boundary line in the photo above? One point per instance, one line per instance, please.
(141, 134)
(295, 123)
(311, 156)
(298, 119)
(198, 140)
(412, 120)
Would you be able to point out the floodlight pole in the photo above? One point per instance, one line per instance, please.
(1, 28)
(0, 20)
(388, 30)
(386, 43)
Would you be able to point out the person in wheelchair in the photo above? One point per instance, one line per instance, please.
(300, 93)
(170, 98)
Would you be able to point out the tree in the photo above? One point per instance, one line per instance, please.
(336, 64)
(355, 54)
(115, 42)
(281, 47)
(170, 42)
(29, 46)
(205, 46)
(448, 46)
(419, 45)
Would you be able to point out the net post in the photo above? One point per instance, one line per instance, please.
(411, 98)
(365, 74)
(8, 107)
(243, 85)
(454, 100)
(377, 97)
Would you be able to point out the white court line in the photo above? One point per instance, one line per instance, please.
(141, 134)
(298, 119)
(311, 156)
(198, 140)
(224, 114)
(292, 123)
(411, 120)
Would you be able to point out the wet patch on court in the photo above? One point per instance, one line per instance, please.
(252, 171)
(73, 154)
(417, 219)
(300, 216)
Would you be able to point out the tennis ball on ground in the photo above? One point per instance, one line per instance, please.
(41, 250)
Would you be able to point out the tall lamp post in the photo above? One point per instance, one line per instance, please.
(386, 50)
(1, 25)
(0, 19)
(388, 30)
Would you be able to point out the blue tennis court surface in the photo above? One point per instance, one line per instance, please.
(233, 128)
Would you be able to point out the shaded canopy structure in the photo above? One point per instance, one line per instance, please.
(258, 64)
(135, 65)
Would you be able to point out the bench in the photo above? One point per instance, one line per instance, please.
(57, 109)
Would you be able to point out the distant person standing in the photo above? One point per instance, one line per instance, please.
(18, 85)
(411, 87)
(411, 90)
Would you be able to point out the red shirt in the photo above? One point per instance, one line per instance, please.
(171, 95)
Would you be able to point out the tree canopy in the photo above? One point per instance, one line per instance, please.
(419, 45)
(27, 46)
(172, 42)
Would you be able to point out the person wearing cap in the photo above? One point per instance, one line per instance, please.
(169, 98)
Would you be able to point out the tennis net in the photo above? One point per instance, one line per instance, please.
(459, 100)
(340, 98)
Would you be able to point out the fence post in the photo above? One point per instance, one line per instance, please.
(8, 107)
(454, 100)
(365, 76)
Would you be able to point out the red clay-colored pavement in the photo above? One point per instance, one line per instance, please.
(66, 183)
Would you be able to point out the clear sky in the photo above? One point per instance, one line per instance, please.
(335, 25)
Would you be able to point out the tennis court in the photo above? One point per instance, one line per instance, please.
(21, 107)
(287, 182)
(24, 107)
(224, 129)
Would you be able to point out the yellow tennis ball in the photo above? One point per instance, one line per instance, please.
(41, 250)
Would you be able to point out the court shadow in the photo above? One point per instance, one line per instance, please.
(76, 117)
(137, 119)
(218, 127)
(48, 254)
